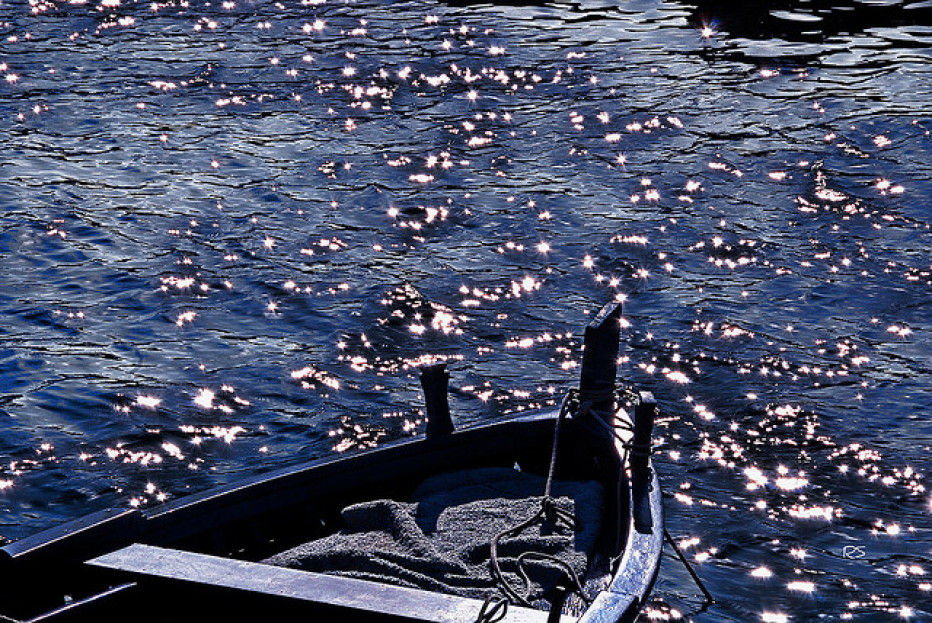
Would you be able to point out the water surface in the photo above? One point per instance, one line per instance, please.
(231, 231)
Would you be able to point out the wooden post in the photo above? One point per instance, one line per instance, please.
(434, 381)
(644, 414)
(600, 358)
(597, 384)
(560, 592)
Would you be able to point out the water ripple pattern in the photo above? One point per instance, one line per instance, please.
(230, 232)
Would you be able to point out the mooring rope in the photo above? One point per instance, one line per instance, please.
(493, 609)
(689, 567)
(585, 401)
(578, 404)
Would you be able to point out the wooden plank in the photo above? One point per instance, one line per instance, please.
(640, 562)
(101, 604)
(609, 607)
(279, 583)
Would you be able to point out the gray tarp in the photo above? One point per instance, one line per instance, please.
(440, 539)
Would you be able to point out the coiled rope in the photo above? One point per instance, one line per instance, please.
(577, 404)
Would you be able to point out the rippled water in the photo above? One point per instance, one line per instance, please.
(231, 230)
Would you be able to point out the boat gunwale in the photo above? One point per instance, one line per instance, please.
(165, 524)
(48, 542)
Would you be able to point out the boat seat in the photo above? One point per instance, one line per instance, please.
(302, 591)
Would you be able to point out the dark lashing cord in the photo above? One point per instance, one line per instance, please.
(548, 511)
(493, 609)
(578, 404)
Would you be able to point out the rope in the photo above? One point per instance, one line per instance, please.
(548, 511)
(574, 581)
(639, 449)
(561, 517)
(584, 402)
(577, 403)
(493, 609)
(564, 410)
(692, 572)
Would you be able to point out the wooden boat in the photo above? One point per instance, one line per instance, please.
(206, 556)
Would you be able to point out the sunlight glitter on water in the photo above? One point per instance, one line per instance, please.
(762, 573)
(801, 586)
(742, 263)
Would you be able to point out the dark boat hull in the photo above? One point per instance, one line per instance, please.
(241, 523)
(198, 557)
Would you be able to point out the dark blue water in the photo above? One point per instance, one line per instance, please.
(230, 231)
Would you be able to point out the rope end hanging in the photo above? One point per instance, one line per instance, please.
(493, 609)
(692, 572)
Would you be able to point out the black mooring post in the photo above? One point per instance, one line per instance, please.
(434, 381)
(600, 359)
(597, 385)
(560, 592)
(644, 413)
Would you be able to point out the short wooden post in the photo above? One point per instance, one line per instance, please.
(644, 413)
(435, 380)
(560, 592)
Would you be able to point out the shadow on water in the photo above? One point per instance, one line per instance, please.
(787, 32)
(794, 20)
(808, 21)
